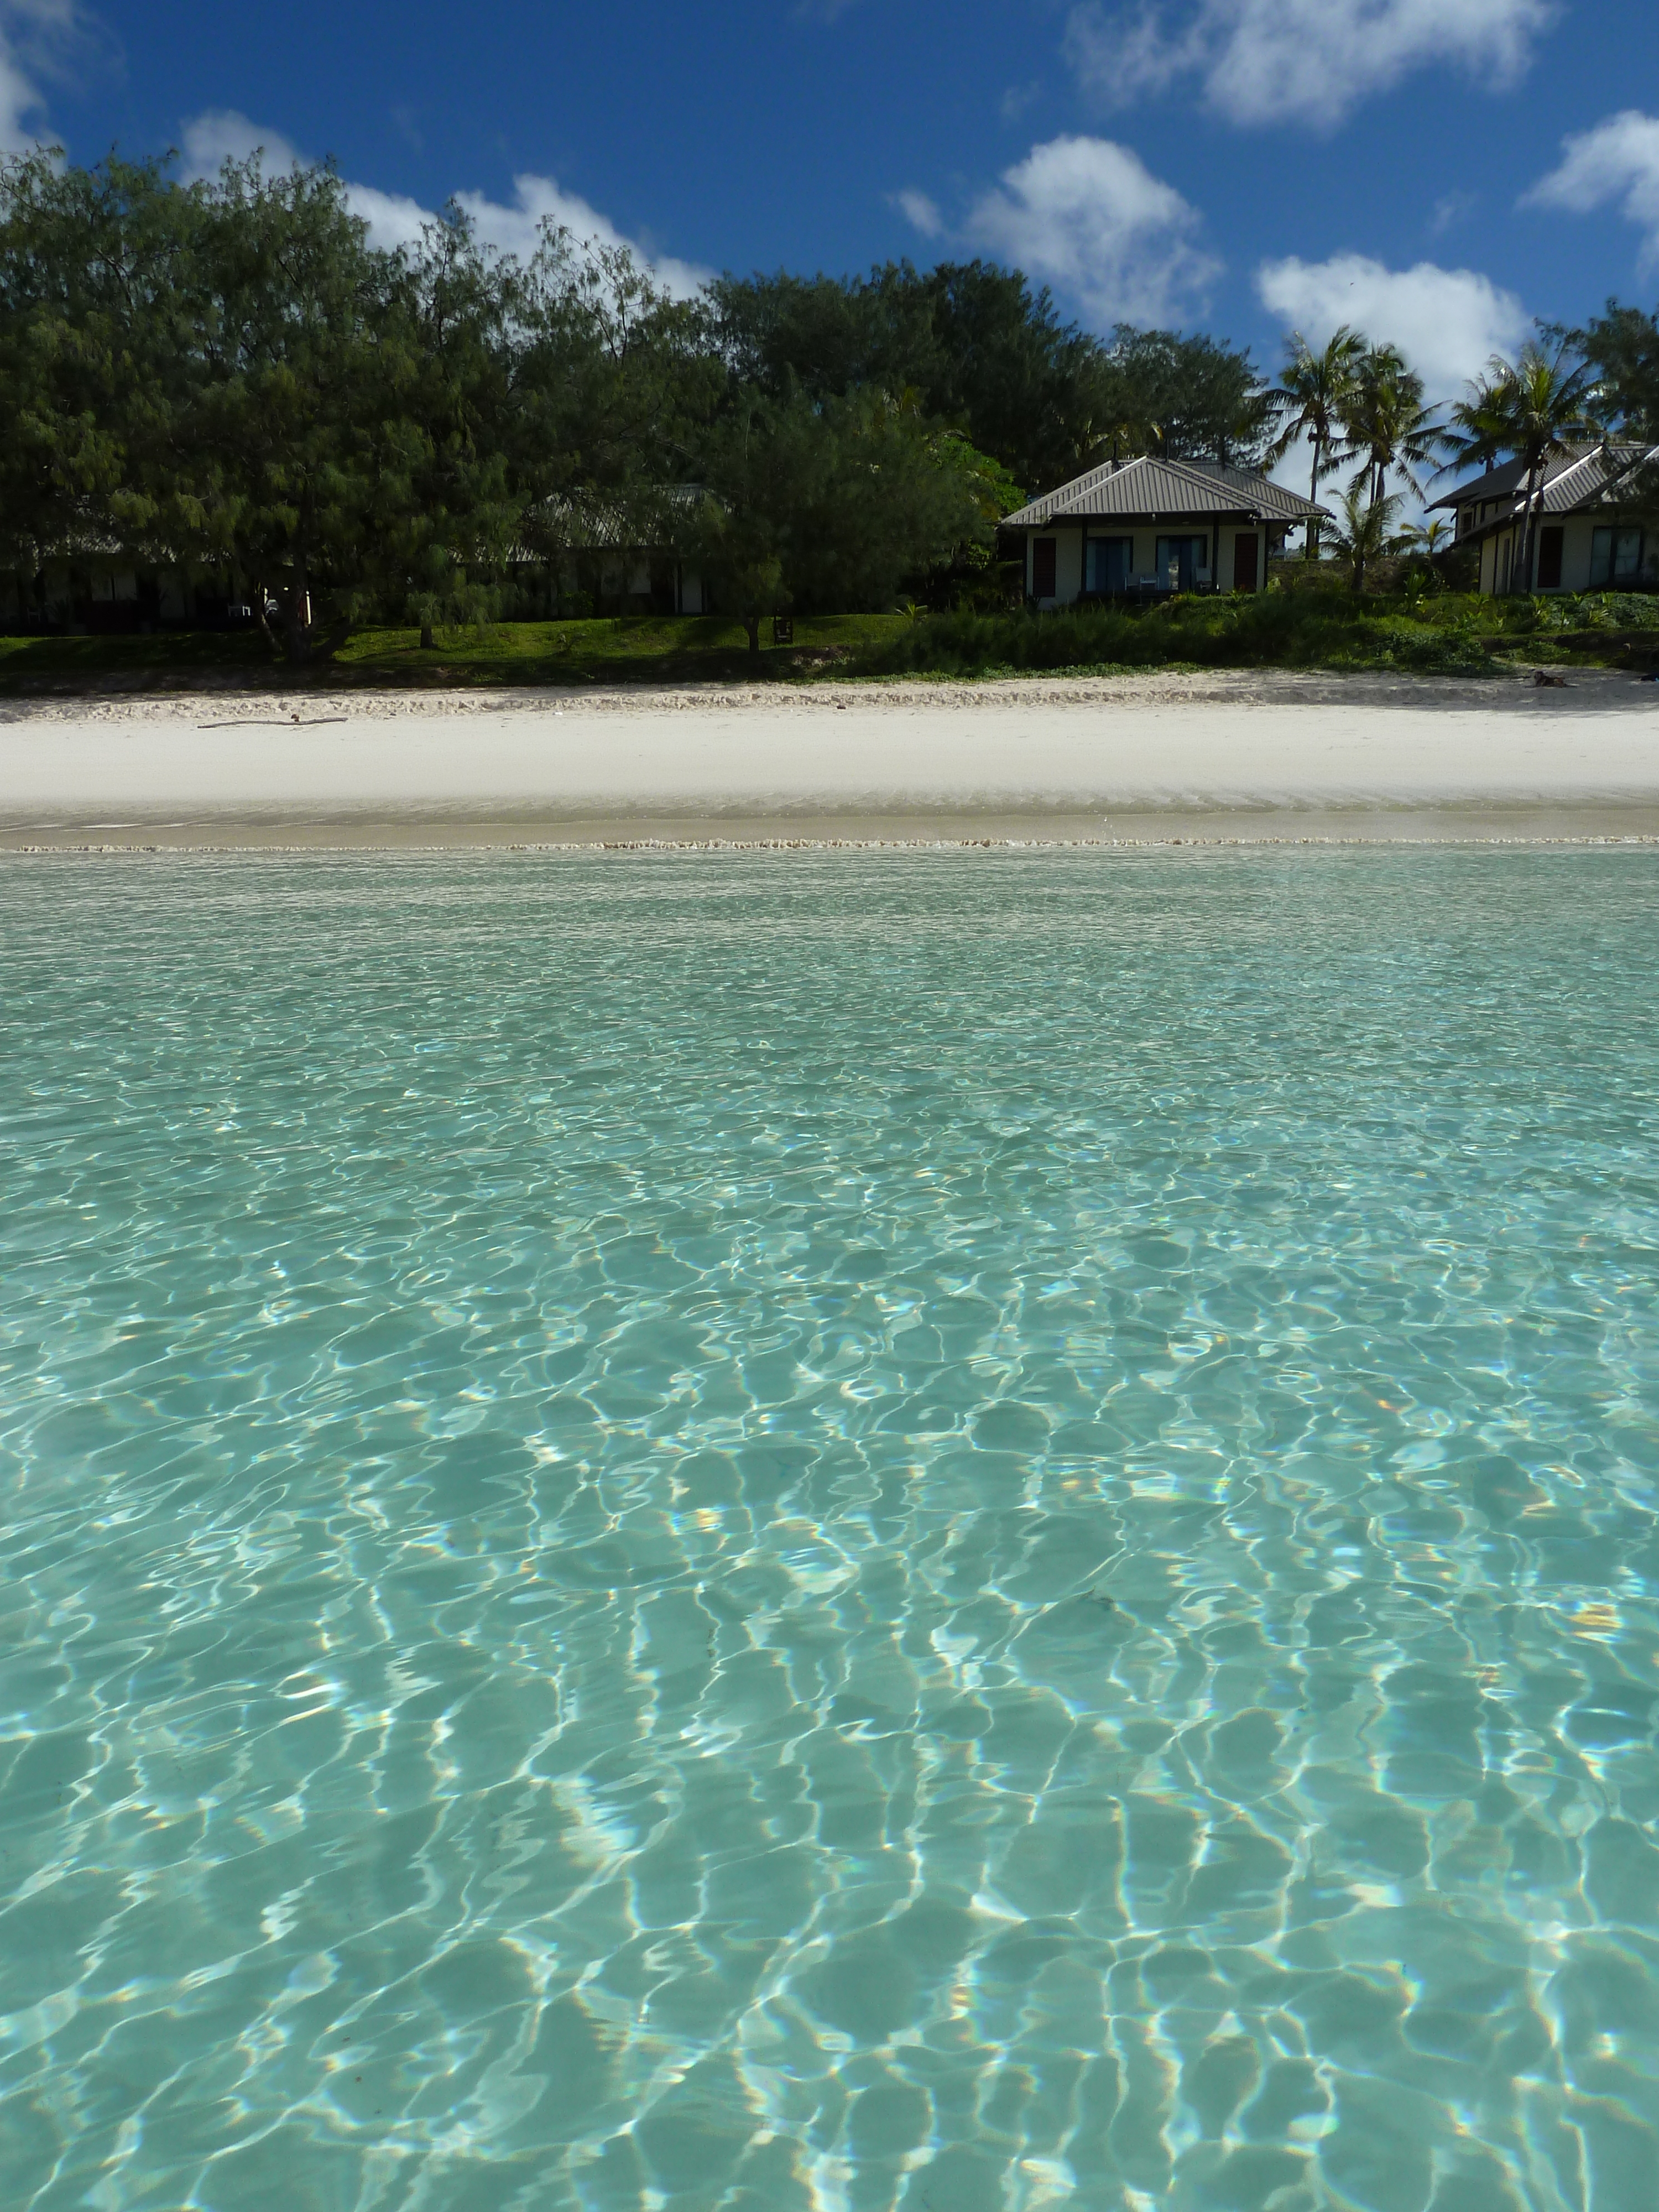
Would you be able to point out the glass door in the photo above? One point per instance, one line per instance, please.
(1110, 560)
(1180, 560)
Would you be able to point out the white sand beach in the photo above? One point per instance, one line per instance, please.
(1161, 757)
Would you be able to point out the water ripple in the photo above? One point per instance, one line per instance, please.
(936, 1532)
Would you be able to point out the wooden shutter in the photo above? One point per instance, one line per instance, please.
(1042, 567)
(1549, 557)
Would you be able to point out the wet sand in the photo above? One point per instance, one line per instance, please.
(1119, 760)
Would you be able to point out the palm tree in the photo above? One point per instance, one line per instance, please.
(1425, 537)
(1311, 400)
(1363, 534)
(1478, 433)
(1387, 425)
(1536, 407)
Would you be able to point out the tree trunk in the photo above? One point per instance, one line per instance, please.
(1310, 551)
(1527, 529)
(429, 643)
(751, 624)
(299, 640)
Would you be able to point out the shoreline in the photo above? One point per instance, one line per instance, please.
(1636, 825)
(1113, 762)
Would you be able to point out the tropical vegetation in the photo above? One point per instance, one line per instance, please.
(227, 378)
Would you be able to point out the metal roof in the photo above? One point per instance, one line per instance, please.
(1586, 477)
(1493, 485)
(1599, 478)
(1148, 486)
(596, 523)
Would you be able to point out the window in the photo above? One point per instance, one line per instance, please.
(1549, 557)
(1180, 561)
(1615, 557)
(1042, 567)
(1110, 560)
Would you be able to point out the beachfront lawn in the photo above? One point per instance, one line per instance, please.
(1449, 634)
(627, 649)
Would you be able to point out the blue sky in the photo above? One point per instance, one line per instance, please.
(1438, 171)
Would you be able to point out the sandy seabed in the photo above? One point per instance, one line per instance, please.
(1160, 758)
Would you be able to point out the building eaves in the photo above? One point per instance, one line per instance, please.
(1147, 486)
(1569, 479)
(1494, 485)
(1578, 485)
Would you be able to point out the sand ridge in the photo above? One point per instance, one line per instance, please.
(1587, 690)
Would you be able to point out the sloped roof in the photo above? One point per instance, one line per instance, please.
(1506, 477)
(596, 523)
(1598, 478)
(1148, 486)
(1585, 477)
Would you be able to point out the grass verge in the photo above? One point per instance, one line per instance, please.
(1300, 628)
(629, 650)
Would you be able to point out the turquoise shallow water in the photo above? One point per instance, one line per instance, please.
(944, 1531)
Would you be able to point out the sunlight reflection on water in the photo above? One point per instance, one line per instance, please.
(927, 1530)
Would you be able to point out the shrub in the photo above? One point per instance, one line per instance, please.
(1309, 628)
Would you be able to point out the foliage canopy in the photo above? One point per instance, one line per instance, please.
(227, 376)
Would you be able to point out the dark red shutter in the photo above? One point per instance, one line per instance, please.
(1244, 563)
(1042, 567)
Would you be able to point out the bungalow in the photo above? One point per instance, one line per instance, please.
(1141, 529)
(1597, 522)
(100, 588)
(612, 556)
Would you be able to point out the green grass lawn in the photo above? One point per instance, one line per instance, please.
(1447, 634)
(630, 649)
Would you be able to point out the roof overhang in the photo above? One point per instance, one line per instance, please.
(1020, 520)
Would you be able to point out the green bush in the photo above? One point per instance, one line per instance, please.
(1282, 630)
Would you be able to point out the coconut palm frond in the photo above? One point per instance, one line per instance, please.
(1363, 529)
(1311, 400)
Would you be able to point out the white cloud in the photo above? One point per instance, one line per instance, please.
(1617, 160)
(1264, 60)
(1452, 209)
(222, 133)
(18, 100)
(1447, 322)
(921, 211)
(1088, 216)
(515, 229)
(36, 38)
(395, 220)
